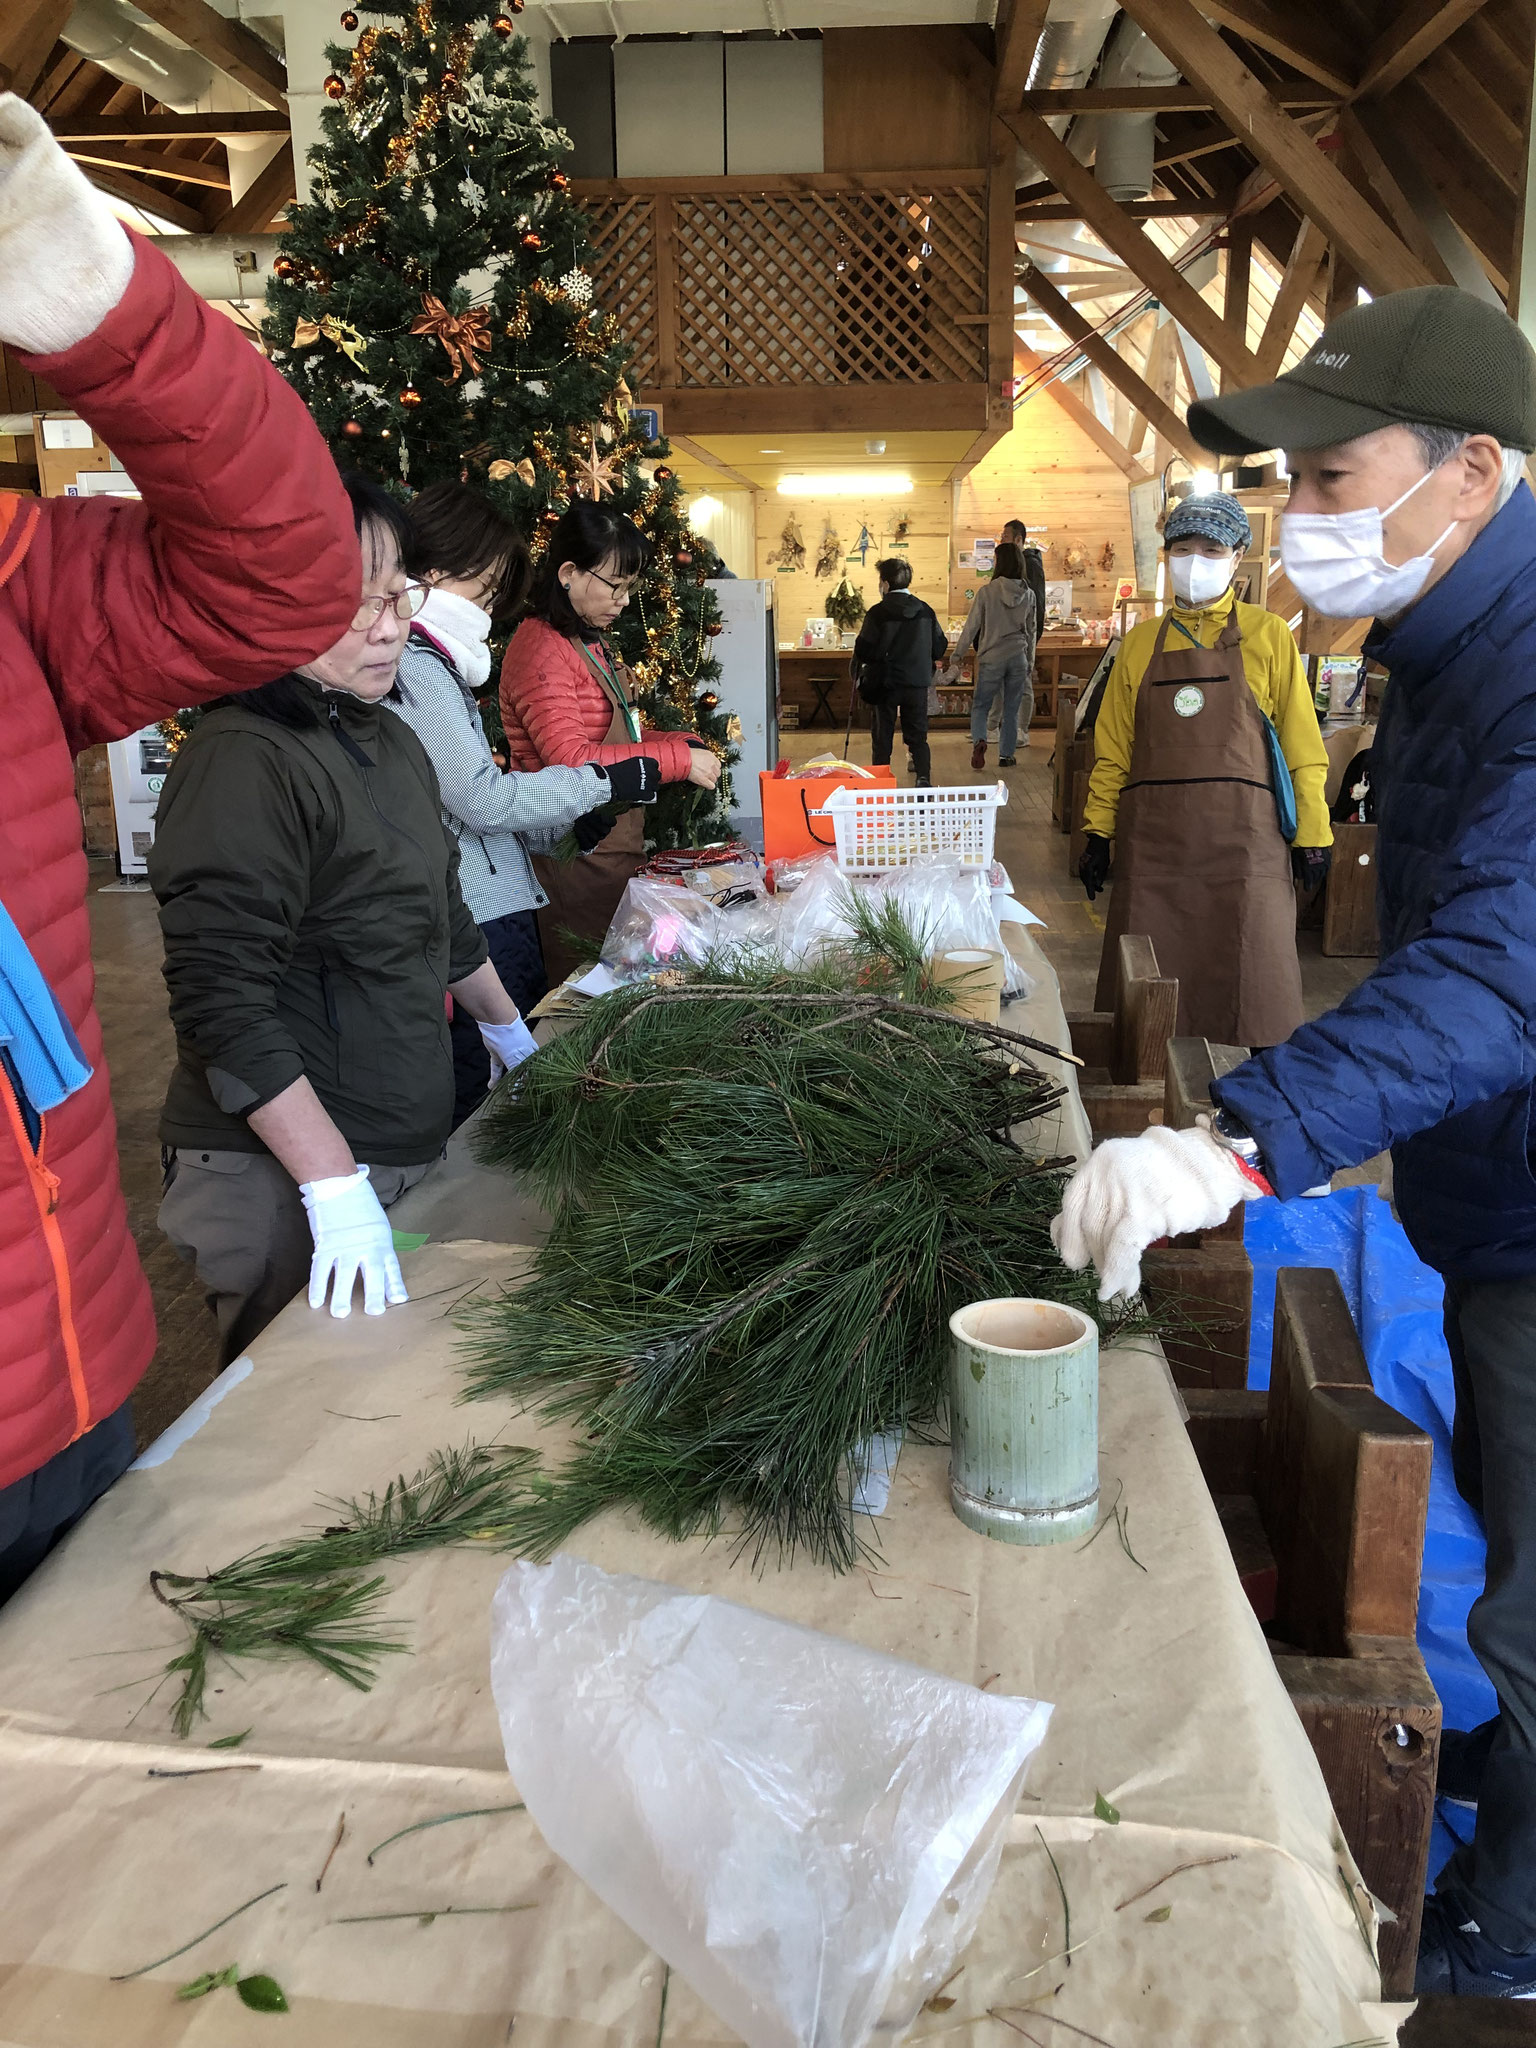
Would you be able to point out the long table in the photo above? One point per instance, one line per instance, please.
(1166, 1701)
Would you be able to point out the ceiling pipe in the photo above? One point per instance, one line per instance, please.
(116, 36)
(1124, 146)
(1068, 49)
(232, 267)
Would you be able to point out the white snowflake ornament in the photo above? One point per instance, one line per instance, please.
(577, 286)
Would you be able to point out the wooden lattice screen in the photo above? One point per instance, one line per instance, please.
(810, 282)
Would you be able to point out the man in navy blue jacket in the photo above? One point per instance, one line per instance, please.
(1405, 430)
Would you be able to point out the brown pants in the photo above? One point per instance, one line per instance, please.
(237, 1218)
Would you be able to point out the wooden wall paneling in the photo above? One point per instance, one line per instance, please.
(1082, 416)
(800, 594)
(1047, 472)
(900, 99)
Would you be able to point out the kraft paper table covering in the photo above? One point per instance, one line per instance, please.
(1166, 1701)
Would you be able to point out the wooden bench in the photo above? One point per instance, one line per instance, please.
(1323, 1490)
(1125, 1050)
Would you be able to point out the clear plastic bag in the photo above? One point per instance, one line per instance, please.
(806, 1831)
(661, 924)
(950, 907)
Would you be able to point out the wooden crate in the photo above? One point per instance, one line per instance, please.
(1349, 901)
(1124, 1051)
(1340, 1483)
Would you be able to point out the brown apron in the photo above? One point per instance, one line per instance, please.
(1201, 866)
(585, 892)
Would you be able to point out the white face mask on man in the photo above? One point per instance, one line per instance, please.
(1335, 561)
(1200, 579)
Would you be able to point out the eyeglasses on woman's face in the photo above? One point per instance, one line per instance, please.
(405, 604)
(620, 589)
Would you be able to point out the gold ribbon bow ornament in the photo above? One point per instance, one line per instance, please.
(466, 336)
(347, 338)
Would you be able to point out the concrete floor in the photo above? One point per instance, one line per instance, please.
(131, 999)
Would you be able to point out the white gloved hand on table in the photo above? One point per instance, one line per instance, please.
(1131, 1192)
(508, 1045)
(352, 1236)
(64, 258)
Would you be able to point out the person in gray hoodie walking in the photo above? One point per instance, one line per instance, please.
(1003, 628)
(475, 568)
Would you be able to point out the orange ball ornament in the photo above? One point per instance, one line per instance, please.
(503, 26)
(410, 396)
(533, 239)
(349, 21)
(335, 86)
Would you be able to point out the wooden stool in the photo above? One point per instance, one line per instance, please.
(822, 688)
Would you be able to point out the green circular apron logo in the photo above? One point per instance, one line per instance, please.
(1188, 701)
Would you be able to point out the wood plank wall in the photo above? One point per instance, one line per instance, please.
(1047, 472)
(801, 594)
(902, 99)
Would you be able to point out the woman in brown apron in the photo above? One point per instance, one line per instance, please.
(1201, 864)
(567, 701)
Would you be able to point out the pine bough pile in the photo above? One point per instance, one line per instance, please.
(770, 1192)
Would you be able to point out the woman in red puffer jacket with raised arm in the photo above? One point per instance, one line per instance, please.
(566, 701)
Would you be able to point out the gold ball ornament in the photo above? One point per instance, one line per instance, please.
(282, 266)
(558, 181)
(410, 396)
(335, 87)
(717, 627)
(533, 239)
(663, 475)
(708, 701)
(349, 21)
(503, 26)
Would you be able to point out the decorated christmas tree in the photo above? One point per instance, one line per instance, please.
(433, 304)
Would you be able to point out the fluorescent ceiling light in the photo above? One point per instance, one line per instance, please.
(1203, 483)
(850, 483)
(770, 451)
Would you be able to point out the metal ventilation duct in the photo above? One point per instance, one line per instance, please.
(118, 38)
(1124, 145)
(1069, 48)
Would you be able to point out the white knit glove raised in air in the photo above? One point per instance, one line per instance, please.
(352, 1238)
(508, 1045)
(1131, 1192)
(64, 258)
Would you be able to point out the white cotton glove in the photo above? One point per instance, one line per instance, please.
(1131, 1192)
(64, 258)
(508, 1045)
(352, 1236)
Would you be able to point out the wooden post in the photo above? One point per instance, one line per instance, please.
(1239, 273)
(1146, 1011)
(666, 291)
(1349, 905)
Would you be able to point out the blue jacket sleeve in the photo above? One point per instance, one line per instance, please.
(1444, 1023)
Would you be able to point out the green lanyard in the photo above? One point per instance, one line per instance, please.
(610, 683)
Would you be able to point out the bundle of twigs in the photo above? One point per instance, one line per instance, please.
(770, 1191)
(318, 1598)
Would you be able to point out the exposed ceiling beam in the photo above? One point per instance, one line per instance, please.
(28, 31)
(226, 45)
(256, 208)
(151, 163)
(1318, 186)
(1485, 125)
(1133, 209)
(1156, 99)
(1028, 363)
(1420, 28)
(148, 198)
(1106, 357)
(163, 127)
(1115, 227)
(701, 454)
(1019, 23)
(1310, 46)
(1296, 285)
(1400, 182)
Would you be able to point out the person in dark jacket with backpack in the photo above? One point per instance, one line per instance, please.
(1034, 568)
(313, 925)
(1406, 429)
(900, 647)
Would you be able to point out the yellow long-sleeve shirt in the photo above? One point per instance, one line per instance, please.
(1277, 679)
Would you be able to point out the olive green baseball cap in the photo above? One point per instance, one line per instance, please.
(1434, 356)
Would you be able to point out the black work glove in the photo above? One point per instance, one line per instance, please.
(633, 782)
(1093, 868)
(1310, 865)
(592, 828)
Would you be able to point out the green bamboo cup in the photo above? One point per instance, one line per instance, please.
(1024, 1420)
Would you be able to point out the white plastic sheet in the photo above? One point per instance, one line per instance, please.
(806, 1831)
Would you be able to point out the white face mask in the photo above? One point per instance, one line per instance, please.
(1200, 579)
(463, 628)
(1335, 561)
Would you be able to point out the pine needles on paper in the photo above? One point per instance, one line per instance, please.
(318, 1598)
(769, 1192)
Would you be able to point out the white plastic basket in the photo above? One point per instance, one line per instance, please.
(879, 828)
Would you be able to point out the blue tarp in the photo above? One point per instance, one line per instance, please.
(1396, 1303)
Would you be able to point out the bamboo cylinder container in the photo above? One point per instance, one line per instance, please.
(1024, 1420)
(976, 978)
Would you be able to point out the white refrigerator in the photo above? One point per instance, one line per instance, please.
(747, 651)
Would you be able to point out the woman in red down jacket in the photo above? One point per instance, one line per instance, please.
(240, 563)
(566, 700)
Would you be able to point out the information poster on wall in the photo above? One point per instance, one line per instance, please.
(1146, 542)
(1058, 600)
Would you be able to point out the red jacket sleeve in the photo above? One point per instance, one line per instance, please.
(240, 563)
(540, 691)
